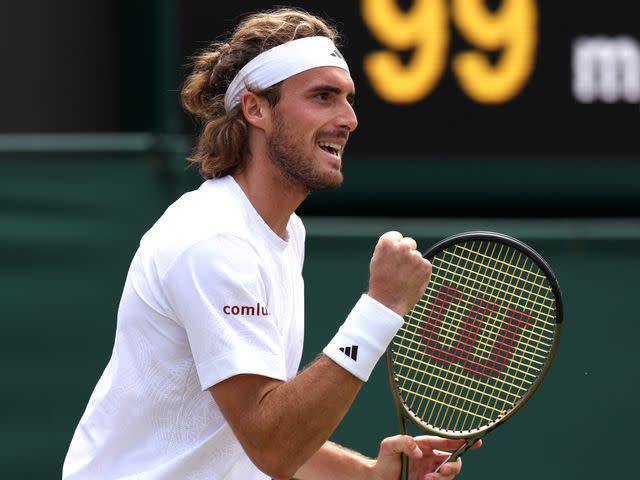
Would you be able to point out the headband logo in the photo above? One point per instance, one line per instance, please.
(336, 53)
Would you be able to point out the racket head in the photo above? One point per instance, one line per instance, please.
(478, 344)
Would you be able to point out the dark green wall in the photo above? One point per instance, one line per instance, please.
(67, 230)
(584, 407)
(72, 208)
(70, 220)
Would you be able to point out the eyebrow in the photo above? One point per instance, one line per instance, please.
(333, 89)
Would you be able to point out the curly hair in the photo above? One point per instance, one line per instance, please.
(222, 147)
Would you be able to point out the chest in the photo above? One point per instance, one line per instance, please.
(284, 292)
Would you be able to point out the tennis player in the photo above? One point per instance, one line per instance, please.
(203, 380)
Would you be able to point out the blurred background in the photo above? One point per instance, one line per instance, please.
(518, 116)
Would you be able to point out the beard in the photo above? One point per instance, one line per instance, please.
(297, 166)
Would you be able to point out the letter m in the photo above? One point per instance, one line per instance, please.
(606, 69)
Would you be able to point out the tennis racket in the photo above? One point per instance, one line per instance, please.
(479, 342)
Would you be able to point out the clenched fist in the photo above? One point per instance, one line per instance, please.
(398, 273)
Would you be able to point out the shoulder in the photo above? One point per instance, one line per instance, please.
(210, 218)
(297, 235)
(216, 257)
(296, 229)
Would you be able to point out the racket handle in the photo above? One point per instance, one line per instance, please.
(457, 454)
(405, 467)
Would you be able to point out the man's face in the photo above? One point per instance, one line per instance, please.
(311, 126)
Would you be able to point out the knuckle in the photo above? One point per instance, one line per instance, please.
(404, 247)
(390, 236)
(394, 440)
(409, 442)
(410, 242)
(386, 444)
(417, 255)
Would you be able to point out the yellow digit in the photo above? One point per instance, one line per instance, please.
(512, 28)
(423, 29)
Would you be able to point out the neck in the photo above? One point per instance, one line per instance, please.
(271, 194)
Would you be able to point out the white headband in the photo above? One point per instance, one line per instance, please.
(281, 62)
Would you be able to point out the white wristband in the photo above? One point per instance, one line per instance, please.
(363, 337)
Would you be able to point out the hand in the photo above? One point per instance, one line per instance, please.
(425, 455)
(398, 273)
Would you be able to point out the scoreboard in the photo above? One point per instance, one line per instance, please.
(477, 77)
(478, 108)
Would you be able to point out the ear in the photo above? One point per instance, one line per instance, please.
(255, 109)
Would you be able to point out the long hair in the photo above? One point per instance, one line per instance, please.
(222, 147)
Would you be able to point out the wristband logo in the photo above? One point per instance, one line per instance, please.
(246, 310)
(351, 352)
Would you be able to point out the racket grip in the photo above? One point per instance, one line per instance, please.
(405, 467)
(457, 454)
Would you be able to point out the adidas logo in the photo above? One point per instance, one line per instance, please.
(336, 53)
(351, 352)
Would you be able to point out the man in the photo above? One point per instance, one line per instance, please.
(203, 380)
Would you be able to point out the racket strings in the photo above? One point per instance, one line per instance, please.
(457, 382)
(489, 401)
(447, 394)
(486, 289)
(468, 353)
(472, 386)
(444, 416)
(514, 268)
(541, 300)
(512, 296)
(466, 333)
(449, 390)
(484, 340)
(522, 368)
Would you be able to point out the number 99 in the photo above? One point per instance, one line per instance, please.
(512, 28)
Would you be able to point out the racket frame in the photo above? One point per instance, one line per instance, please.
(475, 434)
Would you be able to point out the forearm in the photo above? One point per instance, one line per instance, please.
(293, 419)
(335, 462)
(301, 414)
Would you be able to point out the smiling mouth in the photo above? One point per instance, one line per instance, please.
(334, 149)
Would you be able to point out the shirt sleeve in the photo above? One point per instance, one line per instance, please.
(217, 288)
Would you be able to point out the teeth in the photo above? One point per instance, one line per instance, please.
(333, 146)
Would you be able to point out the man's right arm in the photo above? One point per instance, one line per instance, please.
(282, 424)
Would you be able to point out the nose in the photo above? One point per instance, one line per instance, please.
(348, 119)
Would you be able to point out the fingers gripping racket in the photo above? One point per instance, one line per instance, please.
(479, 342)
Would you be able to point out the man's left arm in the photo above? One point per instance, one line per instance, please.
(335, 462)
(425, 455)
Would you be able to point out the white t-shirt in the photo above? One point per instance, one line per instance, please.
(212, 292)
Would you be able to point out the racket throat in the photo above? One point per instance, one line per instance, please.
(458, 453)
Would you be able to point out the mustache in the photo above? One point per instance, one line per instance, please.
(333, 134)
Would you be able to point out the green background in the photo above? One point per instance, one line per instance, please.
(74, 205)
(70, 220)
